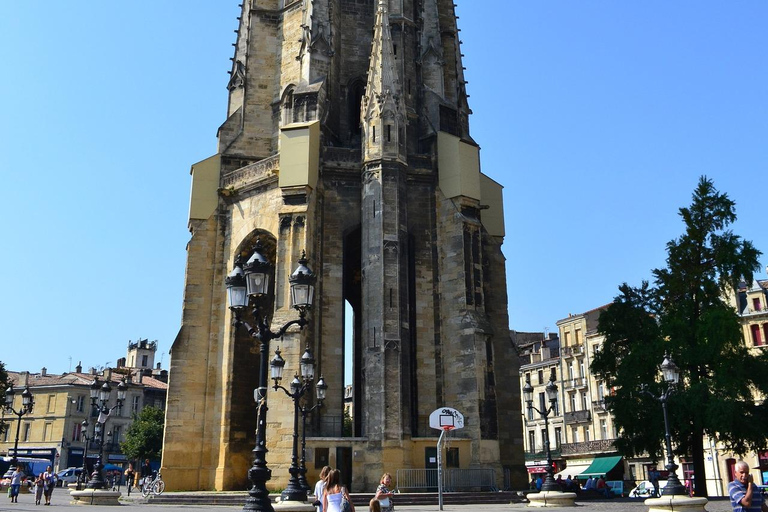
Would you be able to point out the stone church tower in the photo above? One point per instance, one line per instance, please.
(347, 135)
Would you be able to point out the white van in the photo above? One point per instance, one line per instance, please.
(645, 489)
(68, 476)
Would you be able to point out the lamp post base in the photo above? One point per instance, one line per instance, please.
(552, 499)
(293, 506)
(676, 504)
(95, 497)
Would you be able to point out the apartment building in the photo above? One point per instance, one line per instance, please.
(53, 430)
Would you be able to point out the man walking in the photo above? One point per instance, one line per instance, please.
(744, 494)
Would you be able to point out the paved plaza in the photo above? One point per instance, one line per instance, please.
(61, 501)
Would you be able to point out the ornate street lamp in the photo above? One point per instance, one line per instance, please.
(320, 388)
(27, 404)
(246, 284)
(86, 439)
(671, 374)
(295, 490)
(99, 400)
(551, 390)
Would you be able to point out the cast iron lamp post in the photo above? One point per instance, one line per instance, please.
(250, 283)
(671, 374)
(86, 439)
(321, 387)
(295, 491)
(100, 394)
(551, 389)
(27, 404)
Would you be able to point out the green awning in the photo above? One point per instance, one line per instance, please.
(601, 466)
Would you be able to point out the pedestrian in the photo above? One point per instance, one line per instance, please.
(654, 477)
(602, 487)
(576, 485)
(539, 482)
(49, 482)
(16, 478)
(384, 495)
(560, 482)
(590, 484)
(320, 488)
(744, 494)
(374, 505)
(39, 483)
(533, 483)
(129, 474)
(334, 493)
(146, 473)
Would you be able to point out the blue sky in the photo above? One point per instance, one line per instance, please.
(597, 118)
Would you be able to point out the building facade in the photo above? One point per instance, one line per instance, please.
(53, 429)
(347, 135)
(582, 431)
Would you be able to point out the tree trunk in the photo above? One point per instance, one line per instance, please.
(697, 449)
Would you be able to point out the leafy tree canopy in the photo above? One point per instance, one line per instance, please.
(686, 313)
(144, 438)
(4, 382)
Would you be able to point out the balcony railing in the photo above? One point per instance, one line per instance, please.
(600, 446)
(576, 382)
(541, 453)
(572, 350)
(577, 417)
(599, 406)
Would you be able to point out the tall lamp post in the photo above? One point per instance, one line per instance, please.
(671, 375)
(100, 401)
(248, 285)
(551, 389)
(321, 387)
(86, 439)
(27, 404)
(295, 490)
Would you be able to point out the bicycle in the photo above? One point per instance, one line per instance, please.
(155, 486)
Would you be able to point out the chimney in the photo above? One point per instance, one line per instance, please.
(108, 374)
(24, 379)
(79, 367)
(92, 371)
(44, 372)
(158, 366)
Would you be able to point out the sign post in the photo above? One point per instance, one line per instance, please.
(444, 419)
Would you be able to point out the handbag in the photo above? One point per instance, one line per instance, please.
(384, 502)
(346, 506)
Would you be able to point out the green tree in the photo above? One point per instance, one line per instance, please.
(3, 381)
(144, 438)
(685, 314)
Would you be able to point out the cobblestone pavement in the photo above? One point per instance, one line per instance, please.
(61, 501)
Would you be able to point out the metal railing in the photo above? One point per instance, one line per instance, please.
(454, 480)
(589, 447)
(575, 382)
(577, 417)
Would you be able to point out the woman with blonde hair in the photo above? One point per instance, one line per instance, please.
(320, 488)
(384, 495)
(334, 493)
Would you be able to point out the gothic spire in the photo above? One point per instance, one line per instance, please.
(383, 108)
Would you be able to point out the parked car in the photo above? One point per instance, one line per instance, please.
(645, 489)
(68, 476)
